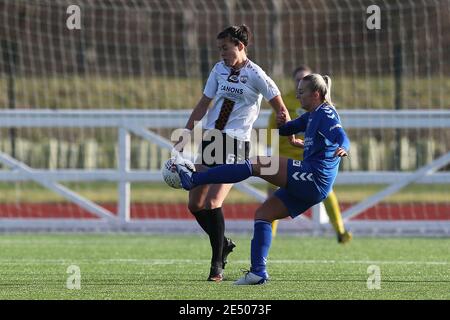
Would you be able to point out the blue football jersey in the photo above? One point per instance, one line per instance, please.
(323, 135)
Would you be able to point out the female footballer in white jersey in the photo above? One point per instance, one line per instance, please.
(237, 86)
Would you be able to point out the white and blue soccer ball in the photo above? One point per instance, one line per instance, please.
(170, 174)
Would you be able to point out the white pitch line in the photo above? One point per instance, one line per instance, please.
(175, 261)
(202, 261)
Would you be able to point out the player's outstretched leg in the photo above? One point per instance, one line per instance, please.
(185, 177)
(227, 173)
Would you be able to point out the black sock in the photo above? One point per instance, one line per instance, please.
(203, 218)
(208, 220)
(216, 235)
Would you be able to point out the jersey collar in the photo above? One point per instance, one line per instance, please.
(243, 66)
(318, 107)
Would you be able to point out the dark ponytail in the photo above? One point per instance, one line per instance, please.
(236, 34)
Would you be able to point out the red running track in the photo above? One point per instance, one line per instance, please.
(422, 211)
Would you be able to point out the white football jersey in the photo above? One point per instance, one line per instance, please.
(237, 98)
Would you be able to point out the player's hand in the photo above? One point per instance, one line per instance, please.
(282, 118)
(182, 141)
(299, 143)
(178, 147)
(340, 152)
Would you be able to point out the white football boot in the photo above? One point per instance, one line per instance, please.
(250, 278)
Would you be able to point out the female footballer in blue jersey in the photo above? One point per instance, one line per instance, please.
(302, 183)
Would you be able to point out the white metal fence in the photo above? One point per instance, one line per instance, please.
(141, 123)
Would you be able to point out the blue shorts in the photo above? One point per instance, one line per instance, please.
(301, 193)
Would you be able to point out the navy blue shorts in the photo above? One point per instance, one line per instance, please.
(301, 193)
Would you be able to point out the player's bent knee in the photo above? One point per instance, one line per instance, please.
(262, 214)
(259, 162)
(255, 165)
(213, 204)
(195, 207)
(253, 160)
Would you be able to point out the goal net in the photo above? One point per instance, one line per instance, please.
(91, 91)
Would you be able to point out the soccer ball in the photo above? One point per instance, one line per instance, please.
(170, 174)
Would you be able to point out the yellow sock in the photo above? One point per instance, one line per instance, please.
(274, 228)
(270, 191)
(334, 212)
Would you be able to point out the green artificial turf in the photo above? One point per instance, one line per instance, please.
(157, 267)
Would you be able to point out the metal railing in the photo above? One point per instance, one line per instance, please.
(141, 123)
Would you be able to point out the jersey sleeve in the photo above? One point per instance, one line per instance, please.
(295, 126)
(211, 85)
(272, 124)
(266, 86)
(330, 127)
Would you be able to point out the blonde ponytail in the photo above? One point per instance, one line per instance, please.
(327, 80)
(320, 83)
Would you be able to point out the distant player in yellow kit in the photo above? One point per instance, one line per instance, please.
(289, 151)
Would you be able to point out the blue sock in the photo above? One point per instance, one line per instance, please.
(262, 238)
(227, 173)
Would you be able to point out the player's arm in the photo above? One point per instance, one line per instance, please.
(271, 93)
(282, 113)
(199, 112)
(196, 115)
(294, 126)
(296, 142)
(269, 90)
(343, 143)
(332, 130)
(209, 92)
(201, 108)
(282, 118)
